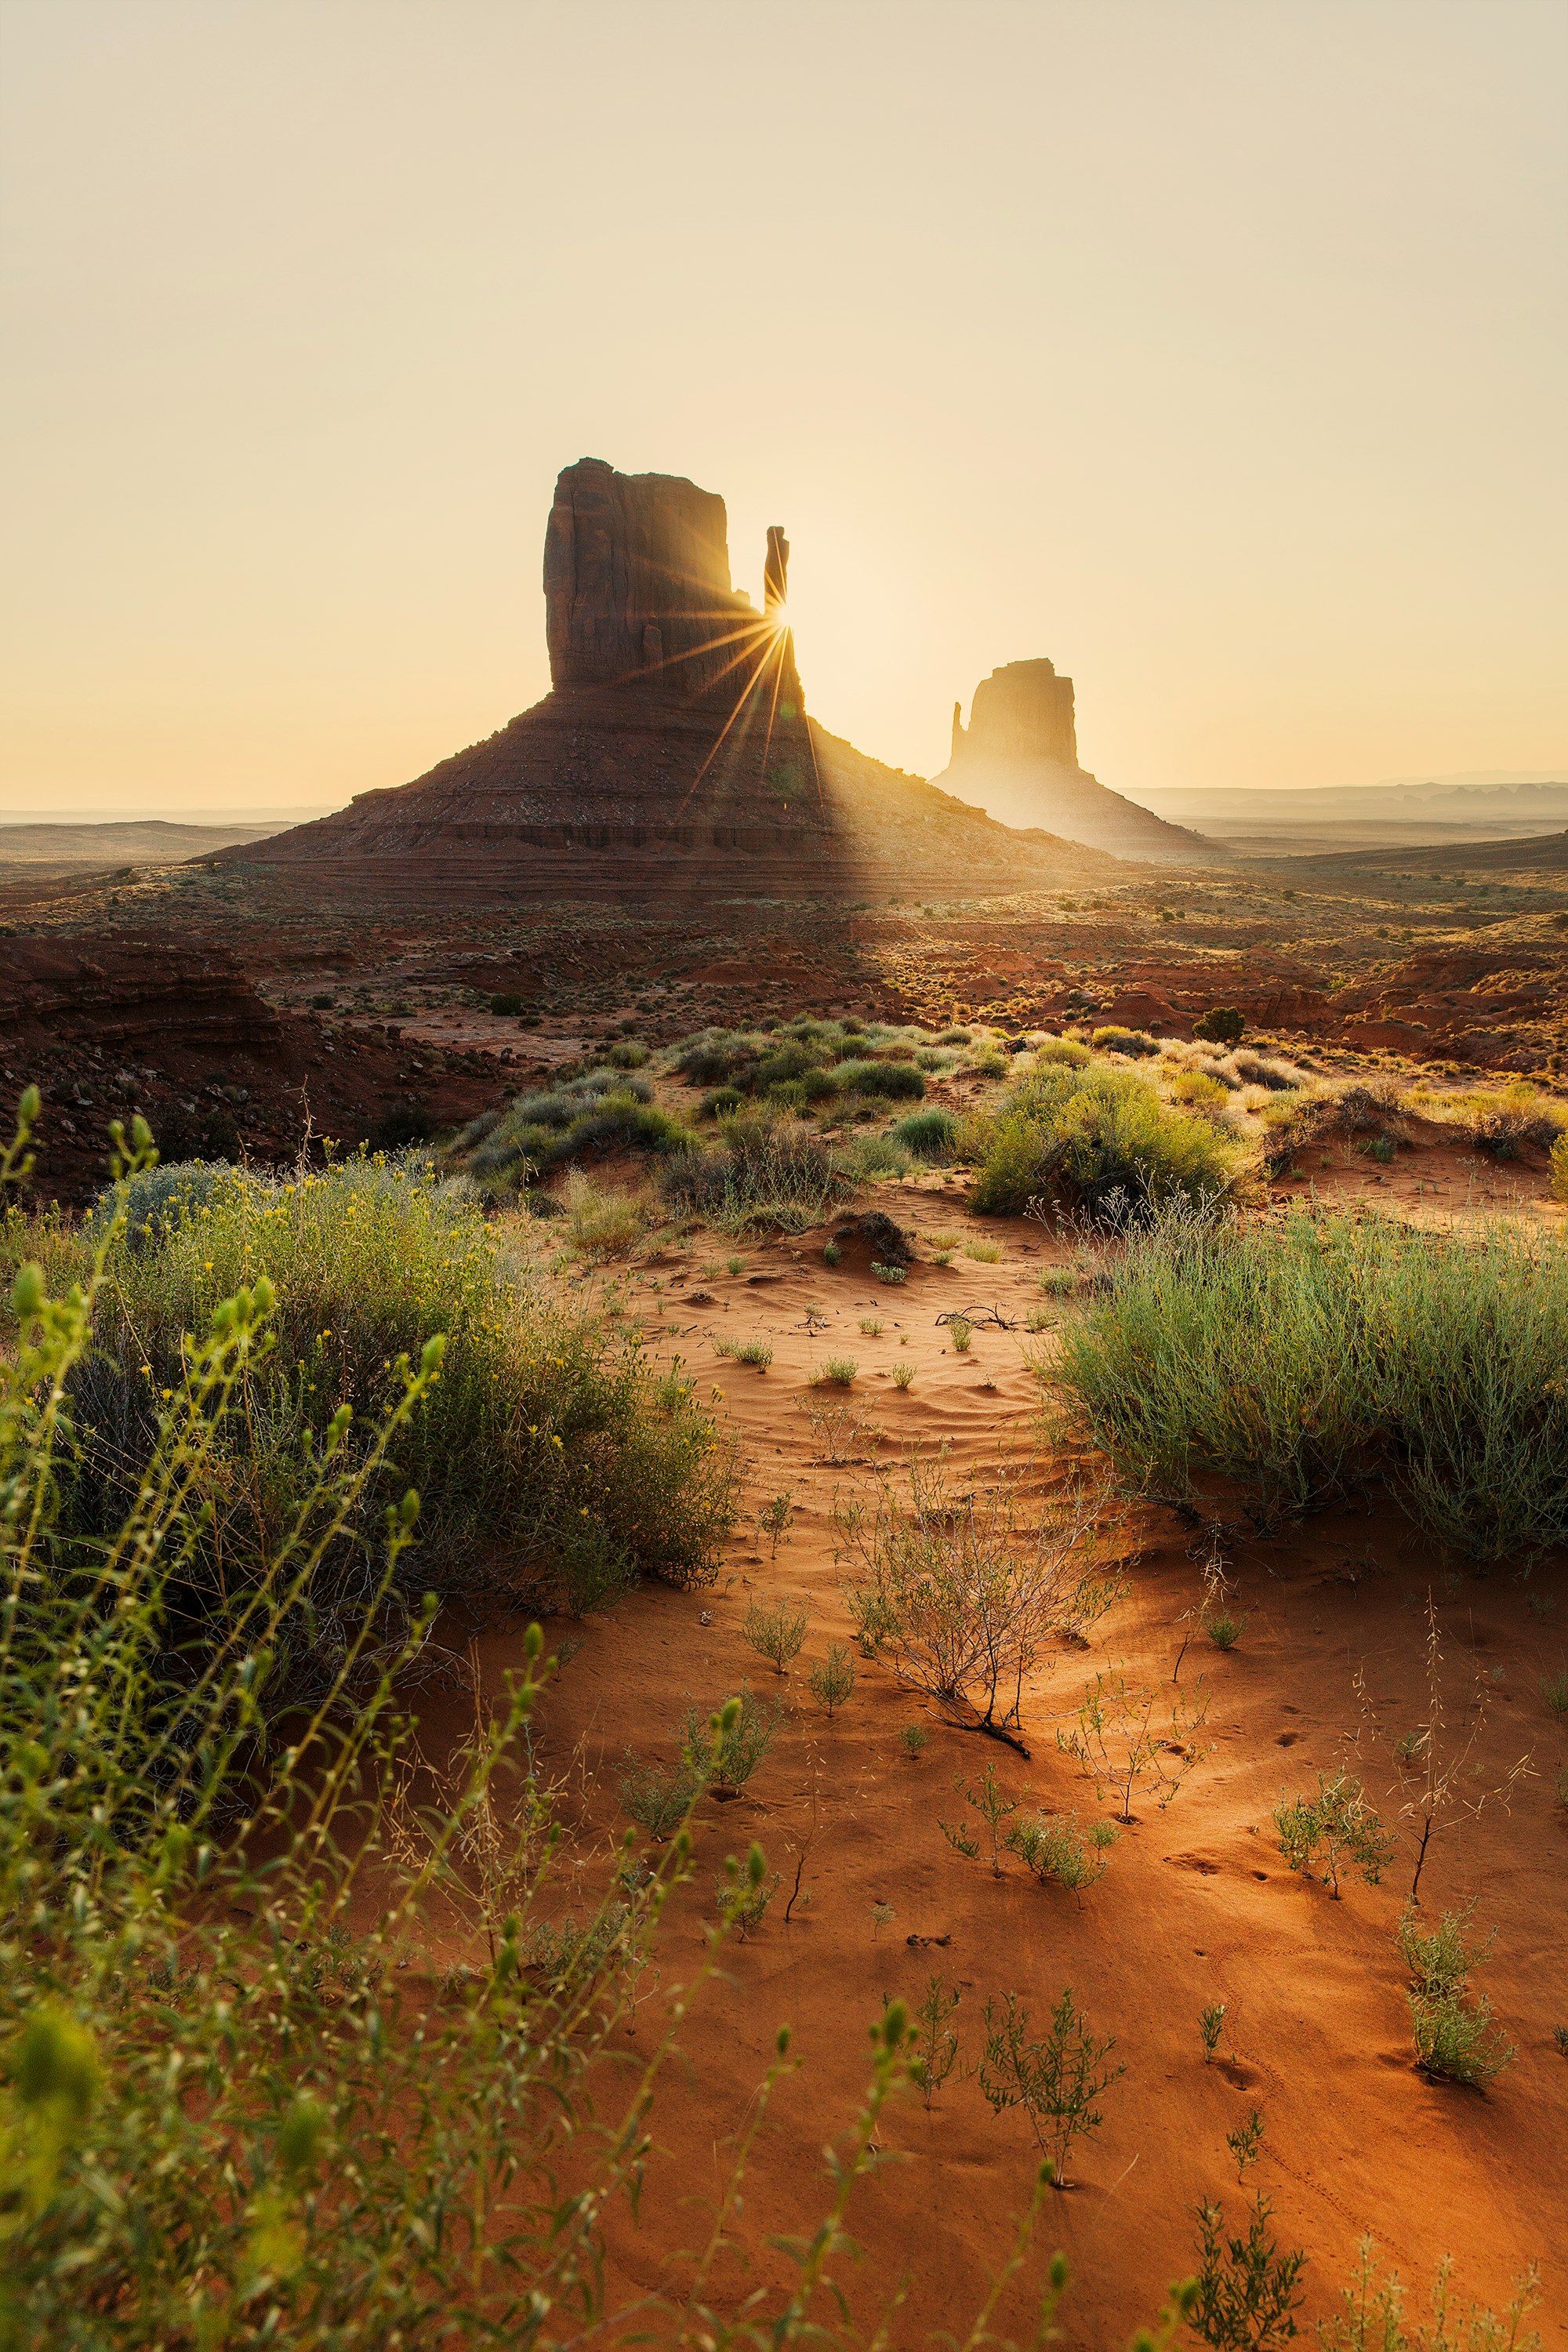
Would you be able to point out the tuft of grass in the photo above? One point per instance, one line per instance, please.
(960, 1331)
(928, 1135)
(1301, 1358)
(984, 1252)
(835, 1372)
(600, 1220)
(871, 1326)
(1554, 1691)
(763, 1172)
(903, 1376)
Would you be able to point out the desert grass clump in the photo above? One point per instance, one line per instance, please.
(835, 1372)
(928, 1135)
(545, 1442)
(960, 1331)
(602, 1111)
(1554, 1691)
(601, 1220)
(984, 1252)
(657, 1797)
(725, 1747)
(744, 1892)
(903, 1376)
(776, 1633)
(1113, 1038)
(763, 1170)
(1302, 1359)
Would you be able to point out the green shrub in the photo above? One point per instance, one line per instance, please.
(1066, 1050)
(1560, 1167)
(1060, 1854)
(1298, 1360)
(1454, 2034)
(1222, 1024)
(1113, 1039)
(604, 1110)
(506, 1004)
(1099, 1140)
(928, 1135)
(724, 1749)
(626, 1054)
(899, 1081)
(1340, 1825)
(540, 1441)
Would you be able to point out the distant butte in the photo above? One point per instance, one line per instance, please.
(1017, 758)
(674, 743)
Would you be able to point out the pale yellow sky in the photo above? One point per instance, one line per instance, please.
(1214, 348)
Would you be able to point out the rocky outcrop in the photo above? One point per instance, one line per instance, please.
(675, 734)
(156, 1023)
(637, 582)
(1017, 758)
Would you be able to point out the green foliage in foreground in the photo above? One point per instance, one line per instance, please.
(1307, 1360)
(551, 1462)
(241, 2104)
(1095, 1139)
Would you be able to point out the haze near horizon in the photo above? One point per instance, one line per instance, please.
(1215, 354)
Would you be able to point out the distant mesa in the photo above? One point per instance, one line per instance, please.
(675, 735)
(1017, 758)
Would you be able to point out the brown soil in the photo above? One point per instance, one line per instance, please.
(1197, 1905)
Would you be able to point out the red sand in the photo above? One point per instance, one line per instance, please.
(1197, 1905)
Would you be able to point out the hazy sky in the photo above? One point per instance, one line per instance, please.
(1214, 348)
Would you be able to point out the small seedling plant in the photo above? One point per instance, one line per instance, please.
(936, 2040)
(1211, 2025)
(1246, 2143)
(775, 1518)
(995, 1807)
(744, 1896)
(912, 1740)
(1337, 1827)
(724, 1750)
(1057, 2079)
(1129, 1738)
(1437, 1783)
(832, 1679)
(775, 1634)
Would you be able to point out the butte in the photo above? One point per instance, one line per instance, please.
(673, 753)
(1017, 758)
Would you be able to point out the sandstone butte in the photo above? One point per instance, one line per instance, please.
(674, 744)
(1018, 760)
